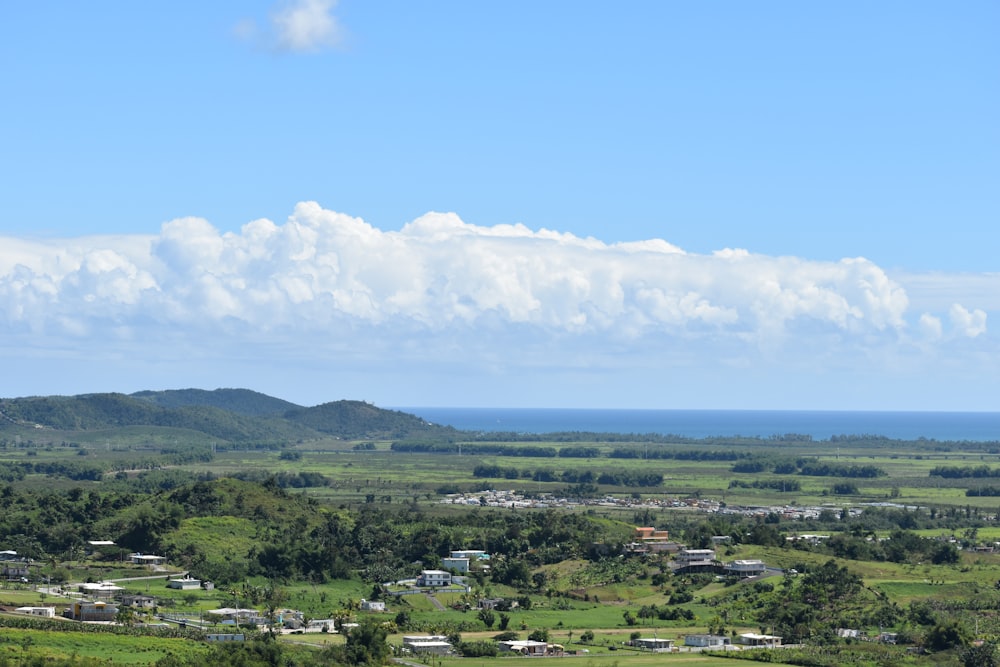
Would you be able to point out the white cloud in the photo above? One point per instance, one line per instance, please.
(967, 323)
(931, 326)
(321, 266)
(444, 291)
(295, 26)
(306, 25)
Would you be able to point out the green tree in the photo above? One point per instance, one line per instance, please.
(487, 617)
(984, 655)
(539, 635)
(125, 616)
(945, 636)
(365, 645)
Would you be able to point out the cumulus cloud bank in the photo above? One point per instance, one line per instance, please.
(328, 292)
(439, 274)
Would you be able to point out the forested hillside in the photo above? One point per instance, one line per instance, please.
(240, 401)
(228, 529)
(357, 419)
(229, 415)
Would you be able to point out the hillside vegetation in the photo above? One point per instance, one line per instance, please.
(240, 401)
(315, 508)
(230, 415)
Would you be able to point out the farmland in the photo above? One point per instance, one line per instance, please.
(309, 520)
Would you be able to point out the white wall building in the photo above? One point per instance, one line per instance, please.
(460, 565)
(372, 605)
(432, 578)
(436, 644)
(45, 612)
(746, 568)
(706, 641)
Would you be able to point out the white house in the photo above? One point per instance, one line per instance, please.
(706, 641)
(434, 578)
(436, 644)
(754, 639)
(237, 616)
(147, 559)
(319, 624)
(695, 560)
(184, 584)
(471, 554)
(695, 556)
(653, 644)
(746, 568)
(372, 605)
(460, 565)
(101, 589)
(45, 612)
(524, 647)
(138, 601)
(101, 543)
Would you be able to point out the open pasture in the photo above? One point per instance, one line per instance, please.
(381, 475)
(118, 649)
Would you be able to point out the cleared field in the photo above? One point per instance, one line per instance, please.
(384, 476)
(121, 649)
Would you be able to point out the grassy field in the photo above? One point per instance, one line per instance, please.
(122, 650)
(620, 659)
(405, 477)
(391, 479)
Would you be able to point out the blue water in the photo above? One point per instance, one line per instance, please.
(821, 425)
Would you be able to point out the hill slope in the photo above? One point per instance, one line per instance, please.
(357, 419)
(233, 415)
(240, 401)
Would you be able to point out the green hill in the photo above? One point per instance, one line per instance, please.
(232, 415)
(358, 419)
(240, 401)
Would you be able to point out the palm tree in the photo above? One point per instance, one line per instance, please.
(125, 616)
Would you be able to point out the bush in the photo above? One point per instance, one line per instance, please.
(539, 635)
(478, 649)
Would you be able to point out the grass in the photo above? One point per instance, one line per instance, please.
(393, 478)
(121, 649)
(617, 659)
(398, 477)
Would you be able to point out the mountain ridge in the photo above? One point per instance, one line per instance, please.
(233, 415)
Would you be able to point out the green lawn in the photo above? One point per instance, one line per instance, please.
(122, 649)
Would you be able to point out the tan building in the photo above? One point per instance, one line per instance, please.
(92, 612)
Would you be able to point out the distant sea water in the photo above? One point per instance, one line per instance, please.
(821, 425)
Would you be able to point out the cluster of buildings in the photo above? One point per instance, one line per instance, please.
(647, 539)
(14, 567)
(706, 641)
(458, 563)
(439, 645)
(514, 500)
(688, 561)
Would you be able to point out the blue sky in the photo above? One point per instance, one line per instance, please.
(651, 204)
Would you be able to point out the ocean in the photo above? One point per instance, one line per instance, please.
(821, 425)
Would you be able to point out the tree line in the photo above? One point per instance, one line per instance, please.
(609, 477)
(808, 467)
